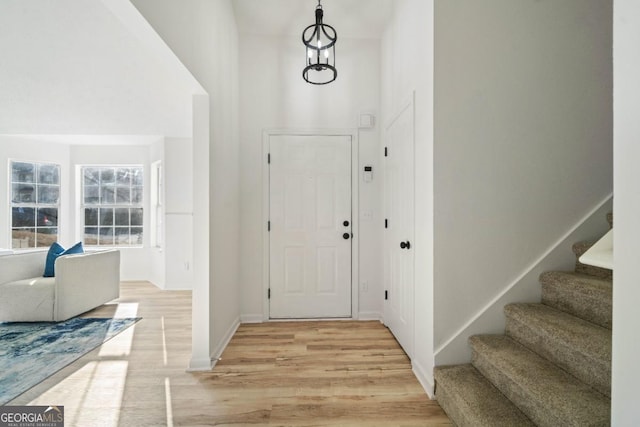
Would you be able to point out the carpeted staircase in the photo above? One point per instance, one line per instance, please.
(552, 367)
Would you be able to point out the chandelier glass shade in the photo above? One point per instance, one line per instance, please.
(320, 51)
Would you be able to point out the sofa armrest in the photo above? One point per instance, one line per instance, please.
(85, 281)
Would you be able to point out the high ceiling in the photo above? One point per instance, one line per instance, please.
(77, 67)
(350, 18)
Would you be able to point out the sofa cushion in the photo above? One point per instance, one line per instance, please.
(54, 253)
(28, 300)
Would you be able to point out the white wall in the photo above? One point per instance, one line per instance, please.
(407, 58)
(523, 140)
(82, 71)
(273, 95)
(35, 149)
(157, 268)
(626, 293)
(203, 34)
(178, 208)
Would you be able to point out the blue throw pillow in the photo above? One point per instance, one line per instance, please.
(56, 251)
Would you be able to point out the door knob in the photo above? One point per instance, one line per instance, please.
(346, 223)
(405, 245)
(346, 236)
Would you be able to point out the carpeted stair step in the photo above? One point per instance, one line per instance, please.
(584, 296)
(469, 399)
(579, 347)
(546, 394)
(579, 249)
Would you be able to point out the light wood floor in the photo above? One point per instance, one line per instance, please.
(272, 374)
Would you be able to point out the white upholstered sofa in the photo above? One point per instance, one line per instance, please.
(81, 283)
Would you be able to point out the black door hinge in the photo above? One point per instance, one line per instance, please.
(386, 223)
(269, 158)
(268, 225)
(386, 295)
(386, 153)
(269, 293)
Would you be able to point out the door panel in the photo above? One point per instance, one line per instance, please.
(399, 265)
(310, 198)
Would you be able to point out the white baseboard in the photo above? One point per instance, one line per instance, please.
(370, 315)
(199, 365)
(178, 287)
(225, 341)
(425, 380)
(251, 318)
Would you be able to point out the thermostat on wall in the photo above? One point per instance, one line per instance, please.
(368, 174)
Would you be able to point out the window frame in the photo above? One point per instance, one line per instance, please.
(36, 205)
(113, 190)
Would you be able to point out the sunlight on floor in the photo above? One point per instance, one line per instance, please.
(120, 345)
(164, 342)
(167, 392)
(126, 309)
(96, 387)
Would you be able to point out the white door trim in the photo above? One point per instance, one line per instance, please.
(355, 214)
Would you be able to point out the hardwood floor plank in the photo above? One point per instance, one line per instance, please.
(325, 373)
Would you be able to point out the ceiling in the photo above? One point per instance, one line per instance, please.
(350, 18)
(76, 67)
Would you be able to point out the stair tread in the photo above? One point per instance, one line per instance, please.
(544, 392)
(558, 325)
(582, 295)
(585, 279)
(471, 400)
(582, 348)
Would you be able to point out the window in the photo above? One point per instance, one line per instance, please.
(112, 205)
(35, 201)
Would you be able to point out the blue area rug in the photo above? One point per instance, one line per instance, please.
(31, 352)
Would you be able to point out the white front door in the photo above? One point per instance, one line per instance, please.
(399, 200)
(310, 220)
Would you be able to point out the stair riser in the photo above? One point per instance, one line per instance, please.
(515, 392)
(596, 373)
(448, 404)
(593, 271)
(594, 307)
(544, 392)
(470, 400)
(579, 249)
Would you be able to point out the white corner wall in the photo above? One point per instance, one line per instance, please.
(203, 34)
(273, 95)
(523, 141)
(178, 213)
(626, 292)
(407, 65)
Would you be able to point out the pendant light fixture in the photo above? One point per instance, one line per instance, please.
(320, 51)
